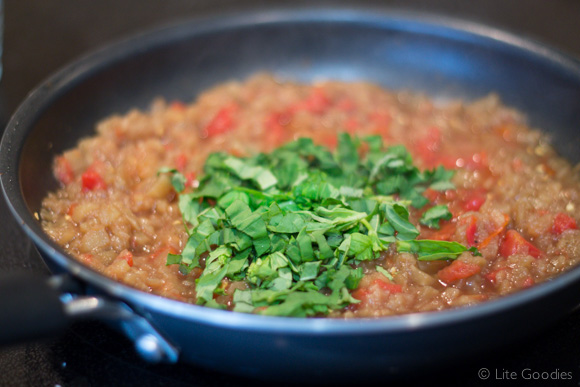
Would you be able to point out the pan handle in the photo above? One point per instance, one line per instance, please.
(32, 308)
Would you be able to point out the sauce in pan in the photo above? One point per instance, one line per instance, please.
(332, 199)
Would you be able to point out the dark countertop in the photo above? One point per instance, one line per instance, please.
(42, 36)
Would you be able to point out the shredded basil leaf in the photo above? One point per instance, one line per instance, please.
(433, 215)
(428, 250)
(295, 223)
(384, 272)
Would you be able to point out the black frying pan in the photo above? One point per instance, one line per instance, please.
(441, 57)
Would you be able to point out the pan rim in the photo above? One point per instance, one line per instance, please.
(61, 81)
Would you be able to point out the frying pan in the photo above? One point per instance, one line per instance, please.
(441, 57)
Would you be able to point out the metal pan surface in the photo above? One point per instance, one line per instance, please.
(441, 57)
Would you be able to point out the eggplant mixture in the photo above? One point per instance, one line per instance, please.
(331, 199)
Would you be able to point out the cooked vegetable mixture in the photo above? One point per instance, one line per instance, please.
(334, 199)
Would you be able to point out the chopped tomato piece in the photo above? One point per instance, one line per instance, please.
(63, 170)
(474, 200)
(71, 209)
(127, 256)
(272, 121)
(351, 125)
(346, 105)
(275, 132)
(445, 233)
(162, 252)
(432, 195)
(381, 121)
(191, 180)
(181, 162)
(223, 121)
(458, 270)
(470, 231)
(563, 222)
(528, 282)
(317, 102)
(92, 180)
(428, 146)
(451, 194)
(87, 258)
(449, 162)
(432, 140)
(177, 106)
(388, 286)
(361, 293)
(463, 200)
(330, 141)
(492, 277)
(495, 233)
(514, 243)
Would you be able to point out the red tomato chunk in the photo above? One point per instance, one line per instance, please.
(127, 256)
(475, 200)
(515, 243)
(388, 286)
(458, 270)
(92, 180)
(317, 102)
(471, 231)
(223, 121)
(563, 222)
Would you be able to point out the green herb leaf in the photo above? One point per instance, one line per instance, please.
(384, 272)
(295, 224)
(428, 250)
(214, 273)
(432, 216)
(398, 217)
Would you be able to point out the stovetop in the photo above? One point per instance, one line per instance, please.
(42, 36)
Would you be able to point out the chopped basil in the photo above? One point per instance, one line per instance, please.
(433, 215)
(295, 223)
(384, 272)
(427, 250)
